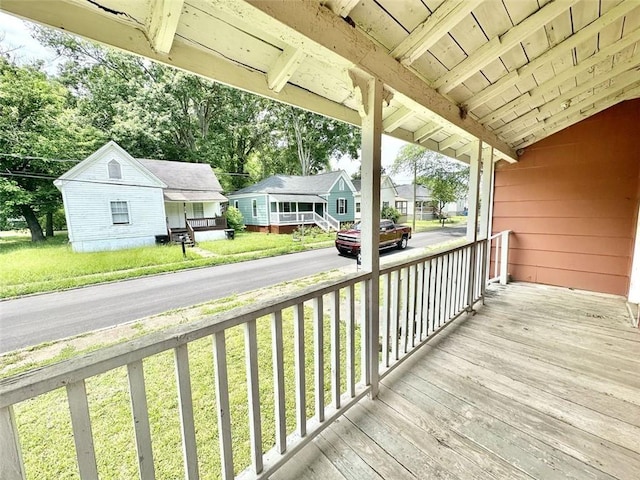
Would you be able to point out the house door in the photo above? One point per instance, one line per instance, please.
(319, 208)
(175, 215)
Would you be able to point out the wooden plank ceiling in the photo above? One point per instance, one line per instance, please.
(510, 72)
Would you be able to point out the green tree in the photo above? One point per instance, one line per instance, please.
(38, 128)
(446, 179)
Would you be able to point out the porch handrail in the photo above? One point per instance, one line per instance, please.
(325, 222)
(500, 243)
(419, 298)
(208, 222)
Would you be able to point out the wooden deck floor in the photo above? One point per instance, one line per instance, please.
(542, 383)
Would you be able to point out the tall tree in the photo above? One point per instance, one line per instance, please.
(38, 128)
(446, 179)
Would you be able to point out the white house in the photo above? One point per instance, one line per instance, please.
(388, 194)
(114, 201)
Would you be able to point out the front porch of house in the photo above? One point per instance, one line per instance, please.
(541, 383)
(195, 221)
(287, 212)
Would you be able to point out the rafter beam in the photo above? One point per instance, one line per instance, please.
(561, 49)
(427, 34)
(397, 118)
(284, 68)
(450, 141)
(492, 91)
(617, 73)
(305, 23)
(537, 93)
(498, 46)
(342, 7)
(426, 132)
(626, 81)
(162, 23)
(621, 96)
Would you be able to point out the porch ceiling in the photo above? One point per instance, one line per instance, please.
(509, 72)
(298, 198)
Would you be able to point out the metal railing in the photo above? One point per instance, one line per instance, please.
(320, 336)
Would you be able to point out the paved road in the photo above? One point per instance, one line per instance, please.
(42, 318)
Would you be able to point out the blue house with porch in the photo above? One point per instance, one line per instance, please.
(281, 203)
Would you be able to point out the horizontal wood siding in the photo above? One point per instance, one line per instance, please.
(572, 203)
(246, 209)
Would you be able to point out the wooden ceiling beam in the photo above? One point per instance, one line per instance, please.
(305, 24)
(617, 73)
(449, 141)
(284, 68)
(543, 89)
(342, 7)
(624, 82)
(621, 96)
(429, 32)
(500, 45)
(397, 118)
(162, 23)
(426, 132)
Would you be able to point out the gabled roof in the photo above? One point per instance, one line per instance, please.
(406, 191)
(186, 181)
(319, 184)
(383, 179)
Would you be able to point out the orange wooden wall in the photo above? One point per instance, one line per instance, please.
(572, 203)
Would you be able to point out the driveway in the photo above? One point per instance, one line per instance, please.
(42, 318)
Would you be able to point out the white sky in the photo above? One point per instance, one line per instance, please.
(15, 35)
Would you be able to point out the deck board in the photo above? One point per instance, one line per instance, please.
(541, 383)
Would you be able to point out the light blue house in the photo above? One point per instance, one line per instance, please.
(280, 203)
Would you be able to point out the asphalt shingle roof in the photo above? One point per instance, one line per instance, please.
(183, 175)
(406, 191)
(294, 184)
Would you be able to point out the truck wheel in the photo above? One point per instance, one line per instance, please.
(403, 242)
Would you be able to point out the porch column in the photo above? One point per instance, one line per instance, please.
(486, 193)
(474, 190)
(371, 89)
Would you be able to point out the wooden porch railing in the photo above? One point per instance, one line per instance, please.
(207, 223)
(418, 299)
(499, 243)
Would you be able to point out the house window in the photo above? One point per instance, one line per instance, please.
(115, 171)
(401, 207)
(357, 207)
(119, 213)
(198, 210)
(385, 204)
(235, 204)
(341, 184)
(341, 207)
(254, 208)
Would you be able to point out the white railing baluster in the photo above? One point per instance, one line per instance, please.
(404, 301)
(351, 341)
(434, 293)
(318, 352)
(11, 464)
(253, 394)
(395, 314)
(278, 381)
(140, 412)
(384, 318)
(299, 352)
(419, 295)
(82, 435)
(222, 399)
(504, 258)
(426, 298)
(185, 403)
(411, 300)
(335, 350)
(365, 328)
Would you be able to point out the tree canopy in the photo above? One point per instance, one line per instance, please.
(152, 111)
(446, 179)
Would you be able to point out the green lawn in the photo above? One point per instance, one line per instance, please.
(49, 266)
(428, 225)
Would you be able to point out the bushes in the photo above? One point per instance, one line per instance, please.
(390, 213)
(234, 219)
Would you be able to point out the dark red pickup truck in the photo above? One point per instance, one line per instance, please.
(391, 235)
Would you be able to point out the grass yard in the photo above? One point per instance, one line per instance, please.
(428, 225)
(45, 428)
(49, 266)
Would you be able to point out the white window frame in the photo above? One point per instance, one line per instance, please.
(341, 184)
(201, 212)
(358, 207)
(235, 204)
(118, 204)
(342, 206)
(254, 208)
(114, 170)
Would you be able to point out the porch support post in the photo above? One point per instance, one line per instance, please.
(472, 219)
(474, 191)
(371, 90)
(486, 193)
